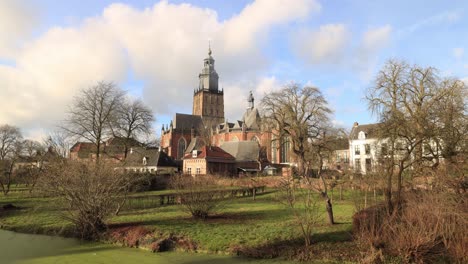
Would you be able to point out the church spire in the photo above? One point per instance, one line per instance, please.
(250, 101)
(209, 48)
(208, 77)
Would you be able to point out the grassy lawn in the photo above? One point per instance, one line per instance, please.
(241, 222)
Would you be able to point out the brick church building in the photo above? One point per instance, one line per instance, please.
(207, 126)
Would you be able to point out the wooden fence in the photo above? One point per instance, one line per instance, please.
(151, 201)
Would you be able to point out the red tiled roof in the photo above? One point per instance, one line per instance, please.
(211, 152)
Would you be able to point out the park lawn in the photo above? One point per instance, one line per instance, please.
(240, 222)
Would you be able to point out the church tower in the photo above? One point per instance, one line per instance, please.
(208, 100)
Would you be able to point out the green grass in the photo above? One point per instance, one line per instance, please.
(241, 221)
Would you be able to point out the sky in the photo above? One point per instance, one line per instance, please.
(154, 50)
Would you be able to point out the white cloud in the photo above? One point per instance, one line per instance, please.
(163, 45)
(333, 45)
(325, 45)
(17, 20)
(465, 80)
(236, 93)
(458, 53)
(447, 17)
(366, 53)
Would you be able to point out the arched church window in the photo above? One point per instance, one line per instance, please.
(255, 138)
(182, 144)
(285, 150)
(274, 150)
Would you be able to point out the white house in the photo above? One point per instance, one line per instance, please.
(364, 147)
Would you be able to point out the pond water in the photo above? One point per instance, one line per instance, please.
(26, 248)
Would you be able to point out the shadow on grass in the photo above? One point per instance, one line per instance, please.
(222, 218)
(336, 246)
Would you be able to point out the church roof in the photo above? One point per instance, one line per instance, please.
(195, 143)
(242, 150)
(252, 119)
(186, 122)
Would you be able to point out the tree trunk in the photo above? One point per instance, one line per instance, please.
(399, 186)
(329, 210)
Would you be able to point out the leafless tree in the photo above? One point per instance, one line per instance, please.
(302, 202)
(296, 113)
(91, 115)
(451, 122)
(199, 196)
(322, 148)
(133, 119)
(32, 148)
(58, 142)
(9, 138)
(406, 99)
(91, 192)
(10, 150)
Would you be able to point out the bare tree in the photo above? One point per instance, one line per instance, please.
(91, 192)
(451, 122)
(9, 138)
(199, 196)
(405, 98)
(10, 149)
(322, 147)
(296, 113)
(91, 115)
(302, 203)
(59, 143)
(32, 148)
(133, 119)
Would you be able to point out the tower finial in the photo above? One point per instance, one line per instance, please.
(209, 47)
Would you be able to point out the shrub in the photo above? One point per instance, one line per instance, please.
(199, 195)
(430, 226)
(91, 193)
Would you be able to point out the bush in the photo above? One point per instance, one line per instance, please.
(429, 227)
(199, 195)
(91, 193)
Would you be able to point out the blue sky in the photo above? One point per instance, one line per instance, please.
(50, 49)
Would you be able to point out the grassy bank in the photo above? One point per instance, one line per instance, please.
(259, 228)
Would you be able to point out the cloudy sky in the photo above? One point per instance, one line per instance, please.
(154, 49)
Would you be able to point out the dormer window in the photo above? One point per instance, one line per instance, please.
(362, 135)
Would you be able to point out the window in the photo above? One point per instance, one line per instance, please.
(189, 170)
(181, 148)
(367, 148)
(384, 149)
(368, 165)
(198, 170)
(274, 150)
(338, 157)
(361, 135)
(345, 157)
(357, 150)
(285, 150)
(357, 165)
